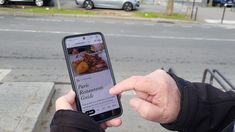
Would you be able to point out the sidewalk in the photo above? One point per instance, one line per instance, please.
(214, 15)
(23, 104)
(204, 14)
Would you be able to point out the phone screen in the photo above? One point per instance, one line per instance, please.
(91, 74)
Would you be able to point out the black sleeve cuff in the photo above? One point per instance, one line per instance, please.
(188, 105)
(230, 127)
(74, 120)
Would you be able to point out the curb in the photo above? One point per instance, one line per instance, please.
(24, 104)
(158, 20)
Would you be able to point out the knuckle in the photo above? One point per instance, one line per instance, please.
(145, 114)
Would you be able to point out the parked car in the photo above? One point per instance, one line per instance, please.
(127, 5)
(36, 2)
(223, 2)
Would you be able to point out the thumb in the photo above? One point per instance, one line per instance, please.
(146, 109)
(70, 97)
(66, 102)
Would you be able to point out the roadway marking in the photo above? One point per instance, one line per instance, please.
(3, 73)
(186, 26)
(110, 22)
(69, 20)
(44, 20)
(39, 19)
(168, 25)
(148, 24)
(123, 35)
(37, 31)
(172, 37)
(129, 23)
(90, 21)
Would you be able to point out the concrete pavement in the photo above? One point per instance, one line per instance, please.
(211, 15)
(214, 15)
(23, 104)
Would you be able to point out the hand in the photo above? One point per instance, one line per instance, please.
(158, 97)
(67, 102)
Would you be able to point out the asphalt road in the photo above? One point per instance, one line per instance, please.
(31, 48)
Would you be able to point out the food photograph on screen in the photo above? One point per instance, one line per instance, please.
(88, 59)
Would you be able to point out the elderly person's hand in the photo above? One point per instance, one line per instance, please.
(67, 102)
(157, 96)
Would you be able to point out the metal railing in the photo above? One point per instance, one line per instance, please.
(220, 79)
(171, 70)
(225, 84)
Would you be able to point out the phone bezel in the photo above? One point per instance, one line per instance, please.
(72, 79)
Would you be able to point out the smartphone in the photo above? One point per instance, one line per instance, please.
(91, 75)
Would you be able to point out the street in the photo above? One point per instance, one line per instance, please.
(31, 48)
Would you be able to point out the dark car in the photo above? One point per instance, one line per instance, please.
(36, 2)
(223, 2)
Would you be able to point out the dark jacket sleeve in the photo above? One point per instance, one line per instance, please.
(73, 121)
(204, 108)
(230, 127)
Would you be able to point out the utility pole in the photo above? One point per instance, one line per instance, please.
(192, 9)
(58, 4)
(170, 7)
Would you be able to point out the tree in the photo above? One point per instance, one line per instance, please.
(170, 7)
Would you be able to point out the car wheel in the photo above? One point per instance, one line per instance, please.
(88, 4)
(214, 4)
(39, 3)
(2, 2)
(76, 2)
(127, 6)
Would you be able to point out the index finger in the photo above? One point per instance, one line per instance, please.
(125, 85)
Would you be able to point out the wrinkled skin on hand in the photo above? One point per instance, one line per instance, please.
(157, 96)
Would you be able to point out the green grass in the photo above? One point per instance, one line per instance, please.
(161, 15)
(52, 11)
(46, 10)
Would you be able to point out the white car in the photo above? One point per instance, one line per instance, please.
(127, 5)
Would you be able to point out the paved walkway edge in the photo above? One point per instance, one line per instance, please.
(217, 21)
(23, 105)
(44, 109)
